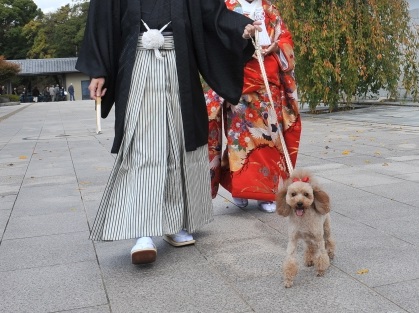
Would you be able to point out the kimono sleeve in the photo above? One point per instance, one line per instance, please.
(286, 46)
(223, 52)
(98, 55)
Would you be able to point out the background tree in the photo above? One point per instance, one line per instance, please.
(351, 47)
(7, 70)
(58, 34)
(14, 15)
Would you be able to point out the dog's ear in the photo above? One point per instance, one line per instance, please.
(321, 201)
(282, 207)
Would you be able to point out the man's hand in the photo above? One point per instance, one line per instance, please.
(95, 88)
(250, 29)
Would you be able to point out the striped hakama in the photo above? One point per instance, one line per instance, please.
(155, 186)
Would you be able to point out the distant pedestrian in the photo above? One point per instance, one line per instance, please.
(57, 92)
(24, 96)
(52, 93)
(35, 94)
(71, 92)
(15, 91)
(2, 91)
(63, 94)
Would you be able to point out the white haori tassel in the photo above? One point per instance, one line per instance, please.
(264, 39)
(153, 40)
(255, 11)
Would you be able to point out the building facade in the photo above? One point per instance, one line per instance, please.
(63, 68)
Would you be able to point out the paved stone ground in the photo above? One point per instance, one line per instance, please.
(53, 169)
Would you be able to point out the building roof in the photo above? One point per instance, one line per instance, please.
(31, 67)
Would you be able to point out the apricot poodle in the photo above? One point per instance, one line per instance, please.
(307, 208)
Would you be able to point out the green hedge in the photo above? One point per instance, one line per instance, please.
(12, 98)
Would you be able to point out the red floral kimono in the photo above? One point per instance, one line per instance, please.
(253, 164)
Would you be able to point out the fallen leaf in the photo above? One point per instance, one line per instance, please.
(23, 157)
(346, 152)
(367, 161)
(101, 168)
(377, 153)
(385, 164)
(362, 271)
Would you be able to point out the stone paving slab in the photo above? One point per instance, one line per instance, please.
(94, 309)
(404, 292)
(52, 288)
(44, 225)
(332, 293)
(44, 251)
(53, 170)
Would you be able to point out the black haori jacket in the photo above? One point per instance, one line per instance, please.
(208, 40)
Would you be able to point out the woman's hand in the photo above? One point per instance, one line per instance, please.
(271, 49)
(95, 88)
(250, 29)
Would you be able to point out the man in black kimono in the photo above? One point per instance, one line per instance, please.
(146, 56)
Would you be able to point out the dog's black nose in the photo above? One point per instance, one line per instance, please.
(299, 204)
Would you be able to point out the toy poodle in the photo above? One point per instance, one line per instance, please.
(307, 207)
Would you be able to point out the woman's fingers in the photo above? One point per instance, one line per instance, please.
(271, 49)
(250, 29)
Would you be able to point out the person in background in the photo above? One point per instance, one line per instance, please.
(160, 184)
(35, 94)
(253, 163)
(57, 92)
(71, 92)
(46, 95)
(52, 93)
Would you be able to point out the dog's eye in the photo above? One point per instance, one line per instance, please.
(306, 194)
(293, 194)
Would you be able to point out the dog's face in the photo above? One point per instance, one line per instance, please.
(299, 197)
(299, 193)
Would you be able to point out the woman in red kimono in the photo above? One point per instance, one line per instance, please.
(253, 164)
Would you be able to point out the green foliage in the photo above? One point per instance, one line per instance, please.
(25, 32)
(12, 98)
(7, 70)
(351, 47)
(14, 15)
(58, 34)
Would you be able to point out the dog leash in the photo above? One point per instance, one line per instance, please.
(258, 51)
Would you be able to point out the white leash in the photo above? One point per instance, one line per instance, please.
(258, 51)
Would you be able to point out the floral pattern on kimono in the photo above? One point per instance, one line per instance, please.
(253, 164)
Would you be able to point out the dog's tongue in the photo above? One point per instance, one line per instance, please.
(299, 212)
